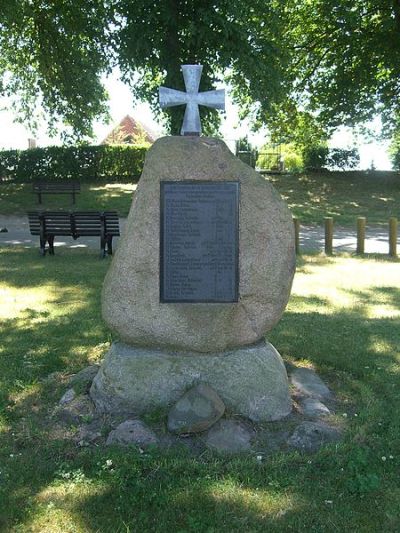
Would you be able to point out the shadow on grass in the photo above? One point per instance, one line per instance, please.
(344, 196)
(345, 339)
(58, 318)
(157, 491)
(160, 492)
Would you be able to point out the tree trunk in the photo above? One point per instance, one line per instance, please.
(172, 64)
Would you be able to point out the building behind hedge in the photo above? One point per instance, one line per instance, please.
(130, 131)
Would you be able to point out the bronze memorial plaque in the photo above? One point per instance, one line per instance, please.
(199, 241)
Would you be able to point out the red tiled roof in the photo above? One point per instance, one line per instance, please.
(129, 131)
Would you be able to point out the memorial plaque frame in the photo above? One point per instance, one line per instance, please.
(235, 185)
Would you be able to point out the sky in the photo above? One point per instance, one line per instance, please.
(13, 135)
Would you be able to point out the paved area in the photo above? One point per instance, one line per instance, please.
(311, 237)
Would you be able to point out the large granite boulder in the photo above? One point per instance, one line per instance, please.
(251, 381)
(131, 292)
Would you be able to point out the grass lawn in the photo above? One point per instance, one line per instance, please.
(17, 198)
(311, 197)
(342, 195)
(343, 318)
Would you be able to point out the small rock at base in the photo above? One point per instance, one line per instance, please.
(132, 432)
(85, 376)
(229, 436)
(196, 411)
(90, 433)
(314, 408)
(310, 436)
(76, 410)
(306, 381)
(67, 397)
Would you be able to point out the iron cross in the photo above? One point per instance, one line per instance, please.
(192, 98)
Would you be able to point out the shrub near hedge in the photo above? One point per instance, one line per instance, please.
(82, 163)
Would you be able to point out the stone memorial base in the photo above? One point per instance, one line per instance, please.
(251, 380)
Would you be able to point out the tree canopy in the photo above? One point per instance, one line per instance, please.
(336, 60)
(237, 38)
(53, 53)
(345, 58)
(57, 51)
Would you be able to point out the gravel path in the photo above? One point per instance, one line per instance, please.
(311, 237)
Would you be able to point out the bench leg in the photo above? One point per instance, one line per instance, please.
(42, 246)
(109, 245)
(102, 247)
(50, 240)
(73, 197)
(39, 197)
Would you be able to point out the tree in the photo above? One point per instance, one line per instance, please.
(394, 150)
(288, 125)
(56, 52)
(338, 60)
(53, 53)
(345, 59)
(238, 38)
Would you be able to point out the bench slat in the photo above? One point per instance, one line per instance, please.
(65, 187)
(56, 186)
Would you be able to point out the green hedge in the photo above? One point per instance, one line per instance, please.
(82, 163)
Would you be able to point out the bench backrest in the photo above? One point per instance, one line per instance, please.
(78, 223)
(57, 222)
(56, 186)
(89, 222)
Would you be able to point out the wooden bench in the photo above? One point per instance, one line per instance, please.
(56, 187)
(50, 224)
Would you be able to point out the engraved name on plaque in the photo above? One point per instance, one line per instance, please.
(199, 241)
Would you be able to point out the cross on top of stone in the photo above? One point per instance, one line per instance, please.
(192, 98)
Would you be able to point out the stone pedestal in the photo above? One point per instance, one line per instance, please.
(251, 381)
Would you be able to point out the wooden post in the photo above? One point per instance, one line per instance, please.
(296, 223)
(393, 236)
(361, 222)
(328, 235)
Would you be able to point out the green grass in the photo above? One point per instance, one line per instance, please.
(17, 198)
(343, 319)
(311, 197)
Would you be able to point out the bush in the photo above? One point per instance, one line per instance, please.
(267, 159)
(315, 156)
(292, 161)
(319, 156)
(312, 157)
(82, 163)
